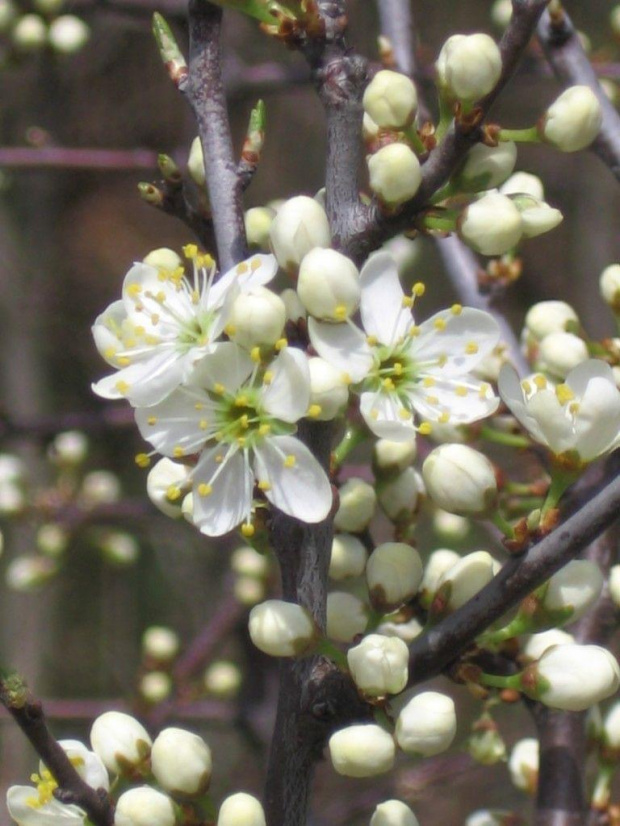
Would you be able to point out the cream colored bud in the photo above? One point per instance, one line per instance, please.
(248, 590)
(537, 644)
(100, 487)
(548, 317)
(52, 539)
(399, 496)
(614, 584)
(524, 183)
(405, 252)
(391, 100)
(144, 806)
(166, 483)
(461, 480)
(393, 457)
(523, 764)
(379, 665)
(155, 687)
(560, 352)
(29, 33)
(256, 317)
(537, 216)
(393, 573)
(449, 526)
(501, 13)
(163, 258)
(363, 750)
(348, 557)
(69, 448)
(573, 120)
(575, 587)
(8, 13)
(468, 66)
(395, 174)
(329, 285)
(393, 813)
(406, 631)
(370, 129)
(222, 679)
(120, 741)
(572, 677)
(436, 566)
(357, 506)
(347, 616)
(611, 726)
(160, 643)
(609, 284)
(258, 222)
(293, 306)
(486, 817)
(245, 561)
(12, 469)
(281, 629)
(29, 572)
(328, 390)
(464, 579)
(68, 34)
(181, 762)
(196, 163)
(119, 547)
(486, 167)
(241, 809)
(491, 225)
(300, 225)
(427, 724)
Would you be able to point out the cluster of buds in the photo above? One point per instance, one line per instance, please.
(45, 26)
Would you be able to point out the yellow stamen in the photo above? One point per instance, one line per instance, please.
(425, 428)
(471, 348)
(242, 268)
(340, 312)
(313, 411)
(151, 420)
(407, 301)
(564, 394)
(178, 451)
(190, 251)
(143, 460)
(280, 344)
(461, 390)
(255, 355)
(247, 529)
(540, 382)
(371, 341)
(439, 324)
(264, 486)
(204, 489)
(219, 388)
(418, 289)
(122, 387)
(173, 493)
(290, 461)
(456, 309)
(428, 381)
(444, 418)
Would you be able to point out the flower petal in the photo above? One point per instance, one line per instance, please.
(148, 381)
(459, 341)
(555, 426)
(299, 486)
(227, 501)
(461, 400)
(227, 365)
(597, 417)
(386, 416)
(255, 271)
(53, 813)
(287, 396)
(342, 345)
(180, 425)
(382, 310)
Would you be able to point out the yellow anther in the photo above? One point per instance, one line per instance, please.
(154, 319)
(255, 264)
(255, 355)
(404, 414)
(203, 424)
(264, 429)
(264, 486)
(134, 290)
(444, 418)
(123, 361)
(205, 261)
(442, 360)
(109, 353)
(130, 343)
(230, 330)
(163, 274)
(152, 420)
(439, 324)
(143, 460)
(388, 384)
(219, 458)
(139, 330)
(268, 377)
(540, 382)
(573, 408)
(371, 341)
(374, 414)
(313, 411)
(418, 289)
(280, 344)
(425, 428)
(346, 378)
(471, 348)
(204, 489)
(160, 297)
(190, 251)
(484, 391)
(219, 388)
(428, 381)
(247, 529)
(432, 400)
(407, 301)
(290, 461)
(242, 268)
(461, 390)
(564, 393)
(340, 312)
(414, 331)
(178, 451)
(195, 296)
(244, 421)
(241, 401)
(122, 387)
(526, 386)
(456, 309)
(398, 368)
(152, 340)
(241, 441)
(173, 493)
(199, 406)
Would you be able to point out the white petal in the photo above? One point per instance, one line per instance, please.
(107, 329)
(463, 400)
(52, 813)
(230, 501)
(302, 489)
(382, 310)
(288, 395)
(597, 420)
(386, 417)
(180, 425)
(254, 272)
(448, 336)
(228, 365)
(554, 424)
(343, 346)
(89, 765)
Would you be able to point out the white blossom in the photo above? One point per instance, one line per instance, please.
(379, 665)
(391, 100)
(357, 506)
(468, 66)
(120, 741)
(300, 225)
(393, 573)
(160, 643)
(573, 120)
(181, 762)
(393, 813)
(347, 616)
(144, 806)
(461, 480)
(281, 629)
(492, 225)
(241, 809)
(394, 173)
(348, 557)
(363, 750)
(426, 725)
(523, 764)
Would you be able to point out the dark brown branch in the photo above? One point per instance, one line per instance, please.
(571, 66)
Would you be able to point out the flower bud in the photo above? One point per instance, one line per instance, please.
(485, 167)
(348, 557)
(281, 629)
(329, 285)
(144, 806)
(393, 574)
(300, 225)
(8, 13)
(119, 547)
(614, 584)
(468, 66)
(163, 258)
(523, 764)
(501, 13)
(241, 809)
(491, 225)
(407, 630)
(537, 644)
(165, 485)
(256, 317)
(449, 526)
(524, 183)
(181, 762)
(485, 743)
(100, 487)
(399, 496)
(328, 390)
(155, 687)
(120, 740)
(245, 561)
(548, 317)
(52, 539)
(609, 284)
(347, 616)
(160, 643)
(572, 677)
(560, 352)
(68, 34)
(394, 173)
(573, 120)
(28, 572)
(69, 448)
(460, 480)
(537, 217)
(196, 163)
(391, 100)
(293, 306)
(437, 564)
(393, 457)
(249, 590)
(379, 665)
(222, 679)
(358, 501)
(611, 727)
(573, 589)
(258, 222)
(463, 580)
(393, 813)
(363, 750)
(29, 33)
(426, 725)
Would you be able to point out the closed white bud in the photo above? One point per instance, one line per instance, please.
(393, 573)
(406, 631)
(348, 557)
(609, 284)
(181, 762)
(537, 644)
(537, 217)
(393, 813)
(491, 225)
(160, 643)
(390, 457)
(461, 582)
(347, 616)
(370, 129)
(427, 724)
(52, 539)
(29, 572)
(611, 726)
(12, 499)
(573, 120)
(468, 66)
(166, 483)
(68, 34)
(100, 487)
(300, 225)
(575, 588)
(399, 496)
(144, 806)
(501, 12)
(281, 629)
(572, 677)
(293, 306)
(245, 561)
(120, 741)
(241, 809)
(163, 258)
(405, 252)
(222, 679)
(329, 392)
(358, 501)
(548, 317)
(436, 566)
(29, 33)
(12, 469)
(248, 590)
(524, 183)
(155, 687)
(379, 665)
(8, 13)
(196, 163)
(391, 100)
(363, 750)
(258, 222)
(394, 173)
(69, 448)
(560, 352)
(119, 547)
(256, 317)
(614, 584)
(461, 480)
(486, 167)
(523, 764)
(329, 285)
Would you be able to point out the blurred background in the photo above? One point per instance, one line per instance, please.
(72, 617)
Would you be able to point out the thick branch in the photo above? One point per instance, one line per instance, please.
(571, 66)
(396, 23)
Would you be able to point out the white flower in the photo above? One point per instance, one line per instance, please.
(281, 629)
(394, 173)
(379, 665)
(181, 762)
(120, 741)
(245, 561)
(258, 222)
(548, 317)
(614, 584)
(440, 561)
(400, 495)
(573, 120)
(461, 480)
(241, 809)
(393, 813)
(328, 392)
(155, 686)
(537, 217)
(37, 806)
(427, 724)
(196, 163)
(468, 66)
(391, 100)
(166, 322)
(393, 457)
(492, 225)
(241, 420)
(347, 616)
(257, 317)
(404, 368)
(524, 183)
(362, 750)
(144, 806)
(166, 483)
(580, 418)
(611, 726)
(609, 285)
(223, 679)
(523, 764)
